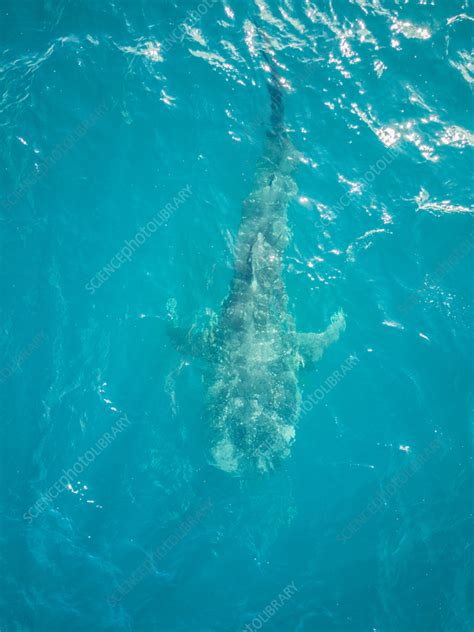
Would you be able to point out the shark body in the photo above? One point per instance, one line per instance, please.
(255, 352)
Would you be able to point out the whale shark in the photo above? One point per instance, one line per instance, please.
(253, 348)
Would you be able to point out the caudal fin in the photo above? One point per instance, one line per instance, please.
(276, 97)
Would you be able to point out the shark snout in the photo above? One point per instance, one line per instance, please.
(257, 442)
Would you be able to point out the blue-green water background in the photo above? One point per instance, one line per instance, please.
(360, 75)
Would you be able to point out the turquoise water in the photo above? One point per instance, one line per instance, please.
(110, 109)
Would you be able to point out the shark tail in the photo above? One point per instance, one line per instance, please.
(279, 148)
(274, 85)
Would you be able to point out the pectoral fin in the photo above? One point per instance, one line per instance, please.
(191, 341)
(311, 346)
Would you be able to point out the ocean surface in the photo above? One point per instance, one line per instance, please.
(116, 115)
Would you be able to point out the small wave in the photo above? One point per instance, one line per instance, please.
(424, 203)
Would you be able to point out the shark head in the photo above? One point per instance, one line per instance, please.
(255, 426)
(259, 452)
